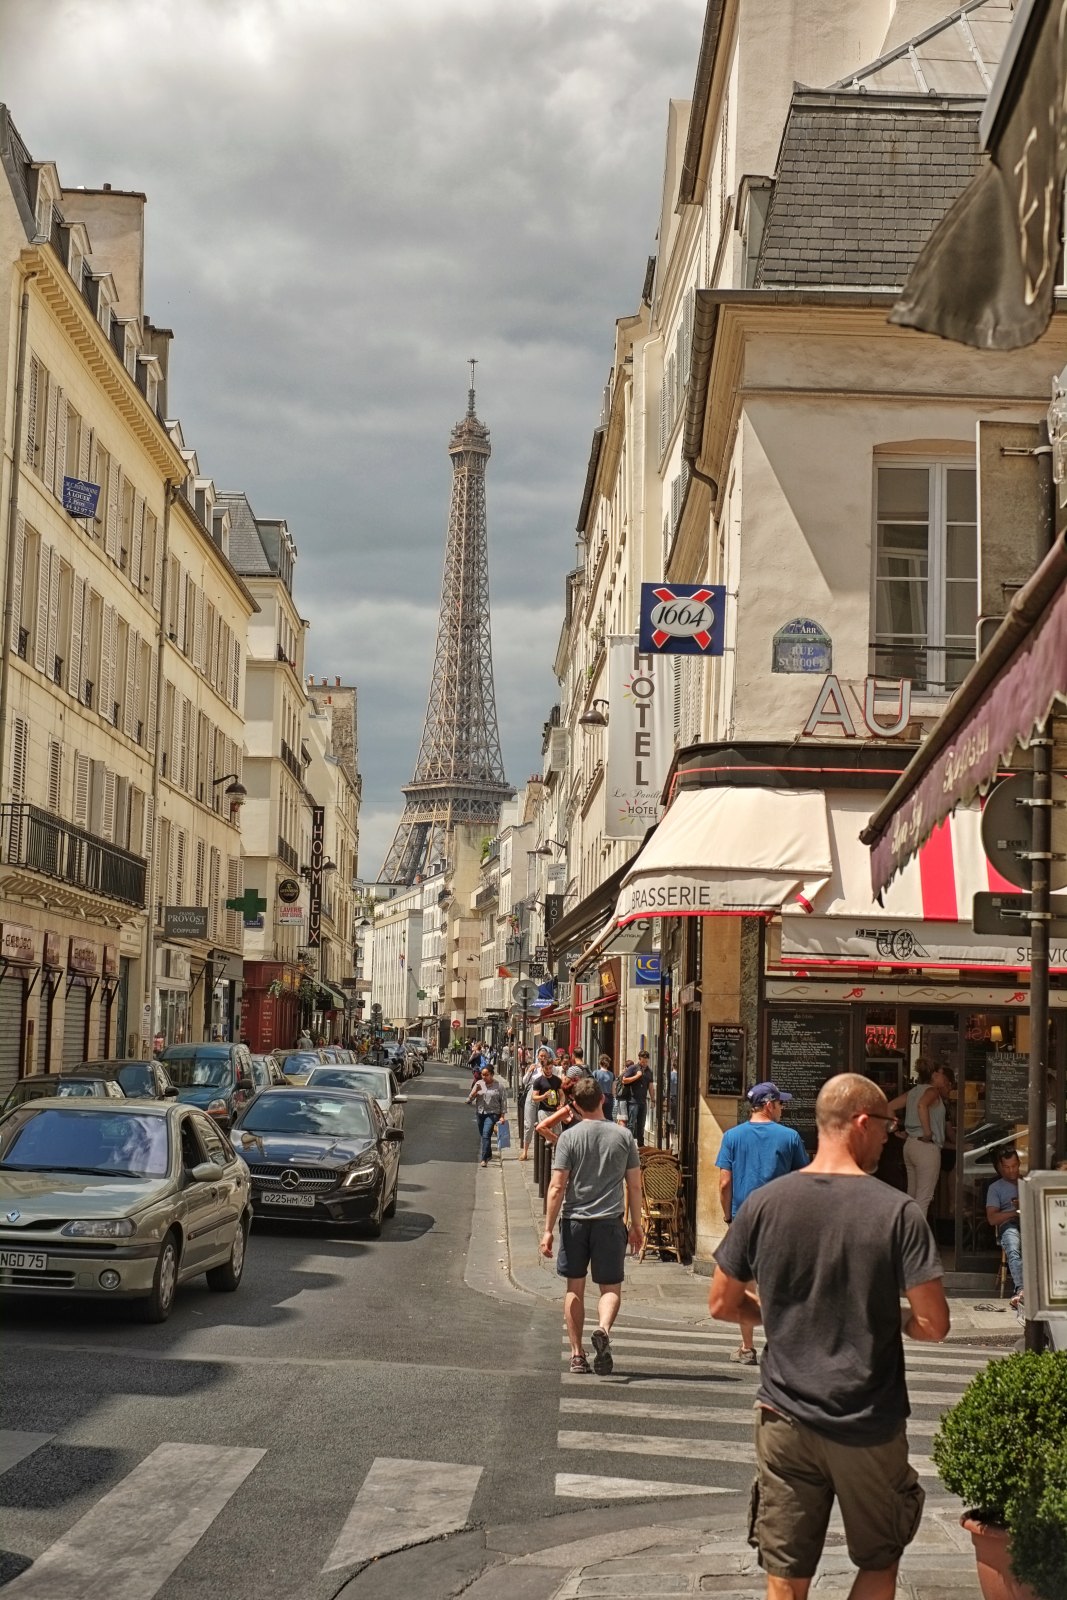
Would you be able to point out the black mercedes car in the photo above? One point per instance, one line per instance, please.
(326, 1155)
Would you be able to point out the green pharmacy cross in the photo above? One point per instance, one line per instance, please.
(249, 905)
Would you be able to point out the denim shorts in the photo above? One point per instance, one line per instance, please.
(592, 1243)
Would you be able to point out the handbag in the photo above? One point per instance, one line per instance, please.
(503, 1135)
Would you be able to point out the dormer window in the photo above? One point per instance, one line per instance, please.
(132, 350)
(103, 307)
(75, 263)
(151, 387)
(43, 221)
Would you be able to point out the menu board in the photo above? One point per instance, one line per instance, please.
(806, 1046)
(726, 1059)
(1007, 1085)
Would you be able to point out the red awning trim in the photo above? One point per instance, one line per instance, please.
(1009, 693)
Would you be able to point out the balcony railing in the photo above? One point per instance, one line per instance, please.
(287, 854)
(291, 760)
(44, 843)
(487, 895)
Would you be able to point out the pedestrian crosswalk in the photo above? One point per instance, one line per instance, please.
(682, 1412)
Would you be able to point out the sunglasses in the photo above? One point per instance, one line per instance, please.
(892, 1123)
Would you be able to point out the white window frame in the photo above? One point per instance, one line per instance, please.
(938, 467)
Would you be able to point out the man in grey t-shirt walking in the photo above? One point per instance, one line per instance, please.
(595, 1167)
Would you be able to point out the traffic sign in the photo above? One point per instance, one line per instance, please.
(1007, 829)
(524, 991)
(1008, 913)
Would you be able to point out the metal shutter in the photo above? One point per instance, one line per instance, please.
(44, 1021)
(75, 1007)
(11, 989)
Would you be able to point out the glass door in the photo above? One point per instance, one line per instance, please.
(993, 1117)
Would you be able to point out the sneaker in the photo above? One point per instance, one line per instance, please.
(579, 1363)
(745, 1358)
(602, 1358)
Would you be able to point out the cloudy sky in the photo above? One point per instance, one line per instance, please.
(346, 199)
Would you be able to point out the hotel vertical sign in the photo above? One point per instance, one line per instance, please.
(640, 738)
(318, 822)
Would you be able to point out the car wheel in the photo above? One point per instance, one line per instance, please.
(226, 1278)
(157, 1306)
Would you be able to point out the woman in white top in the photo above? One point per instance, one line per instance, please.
(925, 1124)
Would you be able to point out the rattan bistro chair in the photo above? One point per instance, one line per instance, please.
(661, 1206)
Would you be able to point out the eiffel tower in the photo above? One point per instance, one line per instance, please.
(459, 776)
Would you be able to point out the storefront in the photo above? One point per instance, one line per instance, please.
(19, 971)
(270, 1005)
(173, 995)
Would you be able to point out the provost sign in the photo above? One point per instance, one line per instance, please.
(682, 619)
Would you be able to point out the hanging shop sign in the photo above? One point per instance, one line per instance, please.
(647, 971)
(111, 961)
(83, 957)
(288, 891)
(80, 498)
(877, 720)
(290, 913)
(802, 646)
(185, 922)
(17, 943)
(53, 950)
(318, 826)
(640, 739)
(682, 619)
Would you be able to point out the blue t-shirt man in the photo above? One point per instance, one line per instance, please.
(758, 1150)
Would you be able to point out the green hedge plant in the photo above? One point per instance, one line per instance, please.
(1003, 1449)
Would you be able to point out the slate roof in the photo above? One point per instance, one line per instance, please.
(957, 55)
(247, 554)
(861, 184)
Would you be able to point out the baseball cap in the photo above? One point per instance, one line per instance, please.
(762, 1092)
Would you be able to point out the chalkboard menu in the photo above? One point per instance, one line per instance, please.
(1007, 1082)
(805, 1048)
(726, 1059)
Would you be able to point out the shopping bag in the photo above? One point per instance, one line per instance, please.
(503, 1135)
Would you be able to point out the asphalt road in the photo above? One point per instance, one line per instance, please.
(334, 1353)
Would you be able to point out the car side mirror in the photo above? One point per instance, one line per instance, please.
(170, 1092)
(246, 1084)
(400, 1099)
(207, 1172)
(394, 1135)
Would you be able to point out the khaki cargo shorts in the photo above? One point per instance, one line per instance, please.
(799, 1474)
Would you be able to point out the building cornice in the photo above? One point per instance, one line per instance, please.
(85, 334)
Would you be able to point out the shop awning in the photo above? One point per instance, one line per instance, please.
(729, 851)
(1010, 691)
(635, 939)
(583, 920)
(332, 999)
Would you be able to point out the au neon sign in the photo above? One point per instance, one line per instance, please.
(832, 712)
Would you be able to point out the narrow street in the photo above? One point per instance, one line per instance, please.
(355, 1397)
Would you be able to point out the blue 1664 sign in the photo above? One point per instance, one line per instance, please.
(682, 619)
(79, 497)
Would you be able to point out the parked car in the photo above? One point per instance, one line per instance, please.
(325, 1155)
(415, 1041)
(377, 1081)
(216, 1077)
(267, 1073)
(117, 1199)
(296, 1064)
(63, 1086)
(141, 1079)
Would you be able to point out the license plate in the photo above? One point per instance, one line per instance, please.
(276, 1198)
(24, 1260)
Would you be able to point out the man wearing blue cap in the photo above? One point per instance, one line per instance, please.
(751, 1155)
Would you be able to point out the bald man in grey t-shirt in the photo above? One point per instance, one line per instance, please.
(595, 1167)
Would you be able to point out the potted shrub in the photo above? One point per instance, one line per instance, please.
(1002, 1449)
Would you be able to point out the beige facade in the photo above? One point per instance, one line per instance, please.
(84, 391)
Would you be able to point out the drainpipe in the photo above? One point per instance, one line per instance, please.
(13, 516)
(148, 987)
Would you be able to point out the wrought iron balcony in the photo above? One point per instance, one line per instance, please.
(287, 854)
(44, 843)
(291, 760)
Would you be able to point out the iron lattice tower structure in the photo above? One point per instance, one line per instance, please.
(459, 776)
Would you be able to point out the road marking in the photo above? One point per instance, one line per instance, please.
(131, 1541)
(16, 1446)
(402, 1503)
(725, 1416)
(579, 1486)
(652, 1444)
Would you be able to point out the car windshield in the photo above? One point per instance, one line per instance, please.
(300, 1061)
(200, 1072)
(67, 1140)
(135, 1079)
(86, 1087)
(318, 1114)
(375, 1083)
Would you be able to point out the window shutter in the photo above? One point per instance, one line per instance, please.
(81, 791)
(40, 632)
(16, 587)
(49, 470)
(148, 850)
(122, 813)
(198, 885)
(179, 867)
(186, 719)
(129, 699)
(174, 732)
(137, 542)
(214, 870)
(182, 597)
(33, 385)
(157, 561)
(106, 679)
(153, 707)
(235, 697)
(107, 811)
(77, 625)
(211, 633)
(198, 630)
(19, 739)
(114, 503)
(96, 795)
(85, 443)
(234, 929)
(53, 612)
(163, 871)
(61, 443)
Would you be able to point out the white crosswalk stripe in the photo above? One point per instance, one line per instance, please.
(135, 1536)
(403, 1503)
(683, 1380)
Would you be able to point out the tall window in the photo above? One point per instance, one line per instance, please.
(926, 574)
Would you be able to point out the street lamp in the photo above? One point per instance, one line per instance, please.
(594, 718)
(547, 848)
(236, 793)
